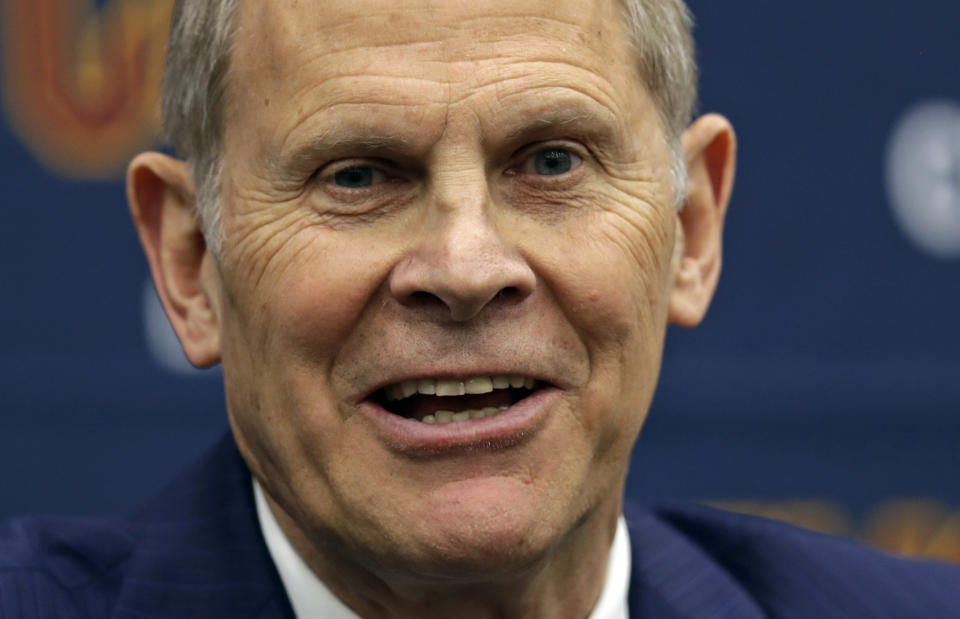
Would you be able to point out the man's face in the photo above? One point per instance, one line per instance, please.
(429, 192)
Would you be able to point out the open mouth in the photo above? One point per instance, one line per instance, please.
(455, 400)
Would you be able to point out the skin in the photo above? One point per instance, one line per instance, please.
(460, 258)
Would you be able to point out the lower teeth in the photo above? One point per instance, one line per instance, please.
(451, 417)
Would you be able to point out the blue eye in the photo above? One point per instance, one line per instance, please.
(553, 161)
(357, 177)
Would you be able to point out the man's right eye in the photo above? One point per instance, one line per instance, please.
(358, 177)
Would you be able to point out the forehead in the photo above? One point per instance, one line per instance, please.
(299, 63)
(452, 28)
(303, 40)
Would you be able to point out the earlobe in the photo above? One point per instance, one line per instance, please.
(161, 196)
(710, 149)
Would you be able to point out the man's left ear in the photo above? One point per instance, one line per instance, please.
(710, 147)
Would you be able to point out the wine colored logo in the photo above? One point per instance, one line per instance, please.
(81, 83)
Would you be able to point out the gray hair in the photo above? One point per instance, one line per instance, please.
(195, 87)
(194, 99)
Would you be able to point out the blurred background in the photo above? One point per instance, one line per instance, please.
(823, 388)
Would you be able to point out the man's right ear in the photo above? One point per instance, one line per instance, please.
(162, 199)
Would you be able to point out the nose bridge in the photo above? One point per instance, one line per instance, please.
(462, 263)
(469, 245)
(460, 185)
(468, 249)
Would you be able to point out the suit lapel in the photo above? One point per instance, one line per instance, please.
(671, 578)
(200, 551)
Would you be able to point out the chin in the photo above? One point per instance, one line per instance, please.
(476, 554)
(469, 532)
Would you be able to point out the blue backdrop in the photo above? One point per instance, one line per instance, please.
(829, 366)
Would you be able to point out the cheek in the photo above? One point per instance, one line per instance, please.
(283, 331)
(318, 302)
(310, 295)
(613, 290)
(611, 276)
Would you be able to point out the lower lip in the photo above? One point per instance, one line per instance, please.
(516, 425)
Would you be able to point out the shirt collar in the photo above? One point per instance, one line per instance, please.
(311, 599)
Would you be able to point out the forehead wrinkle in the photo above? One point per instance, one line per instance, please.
(331, 47)
(539, 91)
(510, 80)
(521, 27)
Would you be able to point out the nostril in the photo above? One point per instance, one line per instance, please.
(461, 306)
(424, 299)
(509, 294)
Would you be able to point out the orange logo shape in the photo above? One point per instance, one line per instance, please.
(81, 85)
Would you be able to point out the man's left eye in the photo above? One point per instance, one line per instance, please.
(358, 177)
(552, 162)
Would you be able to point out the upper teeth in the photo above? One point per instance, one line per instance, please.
(443, 388)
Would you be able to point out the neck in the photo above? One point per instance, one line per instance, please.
(565, 581)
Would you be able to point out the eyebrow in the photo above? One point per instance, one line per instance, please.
(342, 141)
(581, 122)
(359, 140)
(553, 120)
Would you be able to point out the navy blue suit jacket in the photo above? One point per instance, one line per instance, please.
(197, 552)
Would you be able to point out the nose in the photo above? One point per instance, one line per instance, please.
(462, 266)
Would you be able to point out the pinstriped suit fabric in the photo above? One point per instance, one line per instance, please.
(197, 552)
(794, 573)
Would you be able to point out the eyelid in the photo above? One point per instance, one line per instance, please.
(326, 172)
(524, 156)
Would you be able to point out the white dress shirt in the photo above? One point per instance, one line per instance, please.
(311, 599)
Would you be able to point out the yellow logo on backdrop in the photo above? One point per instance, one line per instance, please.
(81, 85)
(917, 527)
